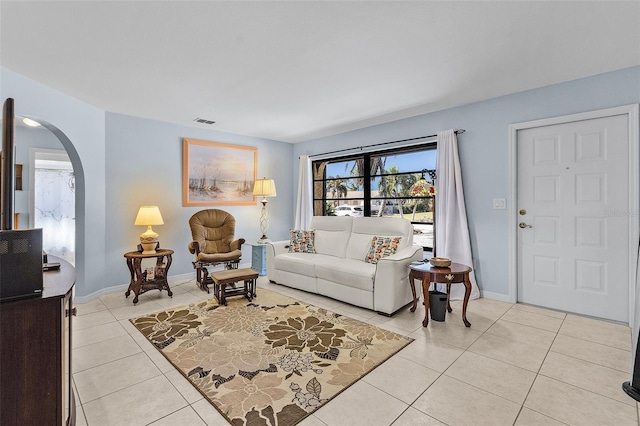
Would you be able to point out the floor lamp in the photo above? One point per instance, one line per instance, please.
(264, 188)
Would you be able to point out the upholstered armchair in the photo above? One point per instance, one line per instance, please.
(213, 243)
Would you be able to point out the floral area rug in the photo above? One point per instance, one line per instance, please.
(272, 361)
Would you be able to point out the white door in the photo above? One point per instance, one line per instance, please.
(573, 210)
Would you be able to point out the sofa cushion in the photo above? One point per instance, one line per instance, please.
(331, 243)
(349, 272)
(358, 246)
(382, 247)
(302, 242)
(385, 226)
(297, 263)
(331, 234)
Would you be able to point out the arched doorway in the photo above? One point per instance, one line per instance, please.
(63, 142)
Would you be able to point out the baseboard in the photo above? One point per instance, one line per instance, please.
(89, 297)
(495, 296)
(173, 279)
(179, 279)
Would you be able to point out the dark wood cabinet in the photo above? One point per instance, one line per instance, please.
(35, 354)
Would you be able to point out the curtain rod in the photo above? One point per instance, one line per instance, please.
(457, 132)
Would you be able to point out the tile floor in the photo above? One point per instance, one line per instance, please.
(516, 365)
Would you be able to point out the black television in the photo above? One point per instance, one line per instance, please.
(7, 166)
(20, 249)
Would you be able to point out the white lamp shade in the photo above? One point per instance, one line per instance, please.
(149, 215)
(264, 188)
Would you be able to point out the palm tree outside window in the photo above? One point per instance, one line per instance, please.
(379, 183)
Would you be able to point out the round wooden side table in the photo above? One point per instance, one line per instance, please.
(427, 274)
(140, 283)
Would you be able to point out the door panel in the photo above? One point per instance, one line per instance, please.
(572, 246)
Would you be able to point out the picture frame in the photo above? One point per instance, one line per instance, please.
(217, 174)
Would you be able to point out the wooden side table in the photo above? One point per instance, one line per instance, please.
(139, 282)
(425, 272)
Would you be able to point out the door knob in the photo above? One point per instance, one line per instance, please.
(524, 225)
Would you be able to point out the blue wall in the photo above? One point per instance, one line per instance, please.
(126, 162)
(80, 128)
(484, 151)
(144, 167)
(123, 162)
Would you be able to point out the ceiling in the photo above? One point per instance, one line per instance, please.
(295, 71)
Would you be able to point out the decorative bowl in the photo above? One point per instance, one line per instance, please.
(440, 262)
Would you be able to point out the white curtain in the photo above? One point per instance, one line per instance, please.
(452, 230)
(304, 206)
(55, 211)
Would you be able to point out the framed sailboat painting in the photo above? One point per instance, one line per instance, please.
(217, 174)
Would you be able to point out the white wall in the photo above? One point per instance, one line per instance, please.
(484, 152)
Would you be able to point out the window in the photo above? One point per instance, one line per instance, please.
(53, 201)
(378, 184)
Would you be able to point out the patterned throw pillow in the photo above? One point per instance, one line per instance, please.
(381, 247)
(302, 242)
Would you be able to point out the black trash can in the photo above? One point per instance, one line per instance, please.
(437, 305)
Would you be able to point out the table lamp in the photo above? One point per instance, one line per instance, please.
(424, 188)
(264, 188)
(149, 215)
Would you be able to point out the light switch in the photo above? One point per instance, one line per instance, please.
(499, 203)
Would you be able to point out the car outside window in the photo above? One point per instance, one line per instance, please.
(378, 184)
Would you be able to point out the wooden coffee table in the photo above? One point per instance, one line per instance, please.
(230, 276)
(425, 272)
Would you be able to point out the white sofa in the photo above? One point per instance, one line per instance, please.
(338, 268)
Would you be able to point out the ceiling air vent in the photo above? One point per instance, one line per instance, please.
(203, 121)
